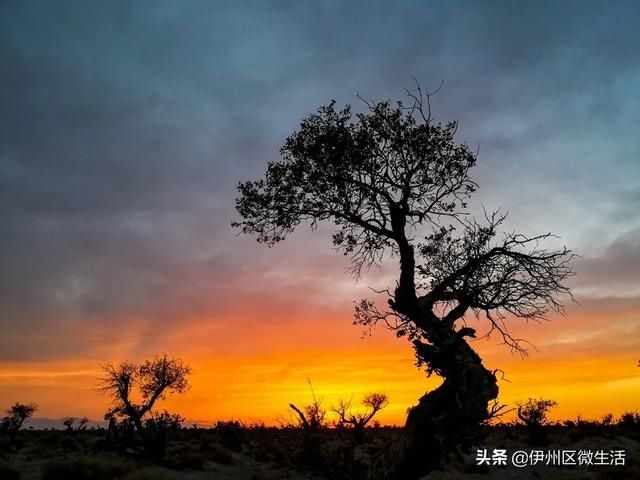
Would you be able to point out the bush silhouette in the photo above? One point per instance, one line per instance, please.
(533, 414)
(16, 415)
(373, 403)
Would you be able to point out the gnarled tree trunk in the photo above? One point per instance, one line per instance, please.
(445, 419)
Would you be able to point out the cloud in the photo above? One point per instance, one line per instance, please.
(614, 271)
(126, 128)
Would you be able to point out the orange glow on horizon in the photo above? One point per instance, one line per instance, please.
(253, 378)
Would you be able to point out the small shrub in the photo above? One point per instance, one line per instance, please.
(534, 411)
(231, 435)
(607, 419)
(533, 414)
(357, 421)
(11, 424)
(630, 419)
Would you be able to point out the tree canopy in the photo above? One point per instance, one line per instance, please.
(393, 181)
(153, 380)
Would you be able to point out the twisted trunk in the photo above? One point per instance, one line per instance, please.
(446, 419)
(154, 440)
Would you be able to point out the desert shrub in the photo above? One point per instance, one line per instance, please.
(629, 424)
(231, 434)
(81, 423)
(533, 414)
(581, 428)
(607, 419)
(590, 428)
(534, 411)
(86, 468)
(165, 421)
(255, 425)
(357, 421)
(121, 433)
(310, 421)
(630, 419)
(311, 417)
(17, 414)
(11, 424)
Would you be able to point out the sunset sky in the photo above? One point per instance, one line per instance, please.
(125, 127)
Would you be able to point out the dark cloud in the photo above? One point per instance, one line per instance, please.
(613, 272)
(125, 127)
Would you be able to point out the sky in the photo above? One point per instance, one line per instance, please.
(126, 126)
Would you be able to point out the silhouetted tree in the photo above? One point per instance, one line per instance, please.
(68, 423)
(495, 411)
(393, 181)
(153, 380)
(373, 402)
(533, 414)
(16, 415)
(19, 412)
(82, 423)
(311, 417)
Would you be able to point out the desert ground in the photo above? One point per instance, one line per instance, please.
(231, 450)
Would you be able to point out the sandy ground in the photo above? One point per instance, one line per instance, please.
(270, 455)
